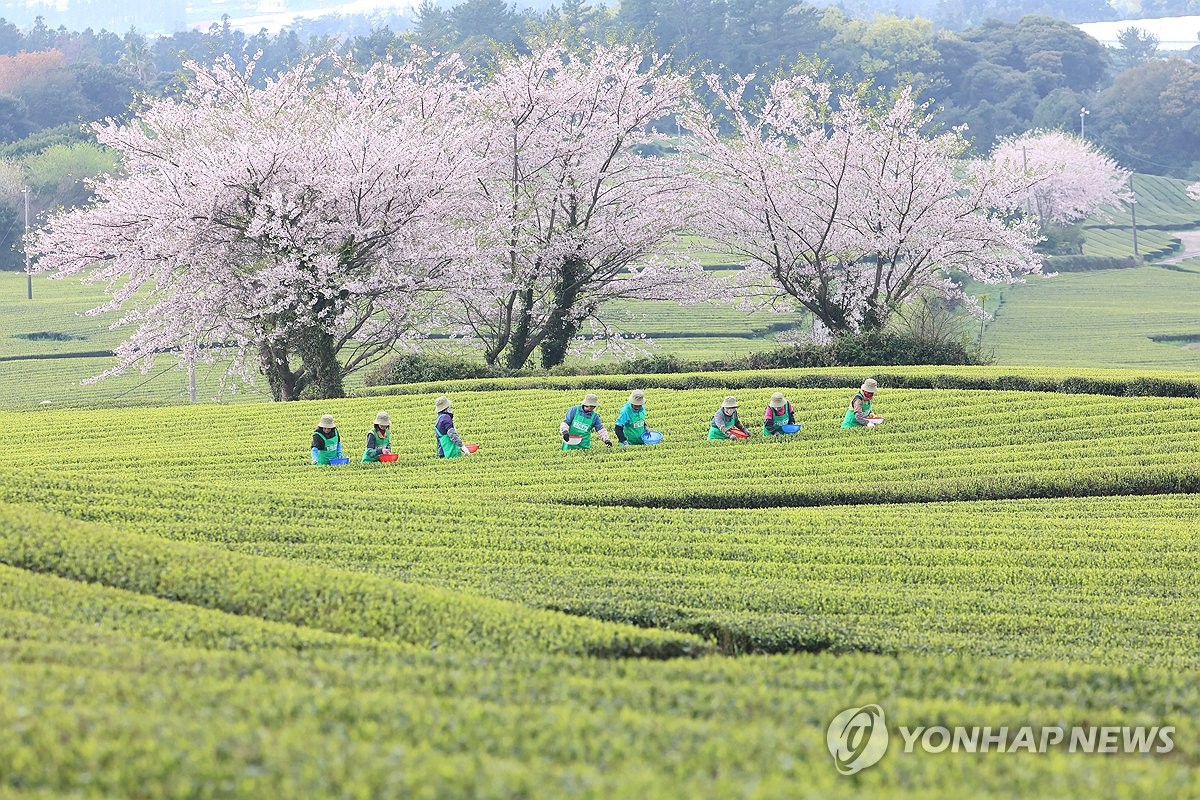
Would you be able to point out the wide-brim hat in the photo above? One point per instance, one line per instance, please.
(590, 399)
(869, 385)
(778, 400)
(730, 402)
(326, 422)
(637, 397)
(382, 419)
(441, 404)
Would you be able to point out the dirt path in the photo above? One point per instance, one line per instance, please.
(1191, 247)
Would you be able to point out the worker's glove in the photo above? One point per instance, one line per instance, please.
(466, 452)
(566, 436)
(608, 444)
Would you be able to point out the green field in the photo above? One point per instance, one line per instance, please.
(188, 609)
(1137, 318)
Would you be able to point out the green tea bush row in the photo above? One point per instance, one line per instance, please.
(339, 602)
(1117, 383)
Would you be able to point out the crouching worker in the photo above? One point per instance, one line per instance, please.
(631, 422)
(326, 444)
(726, 420)
(449, 443)
(859, 414)
(778, 414)
(580, 421)
(379, 439)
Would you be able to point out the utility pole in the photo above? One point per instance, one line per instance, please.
(983, 298)
(1133, 215)
(1025, 167)
(1083, 112)
(25, 247)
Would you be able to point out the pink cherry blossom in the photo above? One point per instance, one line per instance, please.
(300, 227)
(569, 215)
(1069, 178)
(847, 203)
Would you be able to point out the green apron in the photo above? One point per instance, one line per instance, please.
(636, 427)
(330, 451)
(386, 441)
(716, 433)
(581, 425)
(781, 414)
(849, 421)
(449, 448)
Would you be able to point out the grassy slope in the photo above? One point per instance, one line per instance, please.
(1100, 319)
(856, 577)
(1007, 612)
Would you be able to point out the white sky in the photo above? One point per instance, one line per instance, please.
(274, 20)
(1174, 33)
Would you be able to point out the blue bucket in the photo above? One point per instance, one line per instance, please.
(651, 437)
(339, 462)
(789, 428)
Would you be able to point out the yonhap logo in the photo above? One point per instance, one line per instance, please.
(857, 738)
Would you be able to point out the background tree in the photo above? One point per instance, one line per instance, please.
(1150, 116)
(1069, 177)
(845, 202)
(299, 225)
(433, 27)
(1136, 47)
(571, 216)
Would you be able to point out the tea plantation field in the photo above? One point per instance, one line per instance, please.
(189, 609)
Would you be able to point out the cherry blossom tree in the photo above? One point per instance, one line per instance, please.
(301, 228)
(1069, 177)
(846, 202)
(571, 216)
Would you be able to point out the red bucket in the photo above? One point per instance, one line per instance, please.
(471, 448)
(737, 433)
(388, 458)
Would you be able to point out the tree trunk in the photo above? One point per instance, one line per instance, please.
(873, 319)
(520, 346)
(323, 371)
(274, 360)
(562, 327)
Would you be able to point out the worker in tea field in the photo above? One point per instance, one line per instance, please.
(631, 422)
(326, 444)
(581, 420)
(859, 414)
(449, 443)
(725, 423)
(779, 413)
(379, 438)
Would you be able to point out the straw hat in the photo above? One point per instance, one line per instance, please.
(730, 402)
(441, 404)
(778, 401)
(869, 385)
(590, 399)
(326, 422)
(382, 419)
(637, 397)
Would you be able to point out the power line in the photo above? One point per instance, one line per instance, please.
(1143, 159)
(143, 383)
